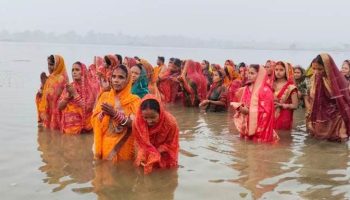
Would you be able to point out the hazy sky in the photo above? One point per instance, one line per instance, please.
(241, 20)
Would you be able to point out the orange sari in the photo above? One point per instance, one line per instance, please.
(107, 134)
(152, 86)
(48, 106)
(284, 117)
(259, 123)
(231, 74)
(76, 116)
(156, 146)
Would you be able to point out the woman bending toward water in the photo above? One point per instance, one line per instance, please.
(254, 118)
(328, 102)
(54, 85)
(156, 136)
(77, 101)
(112, 119)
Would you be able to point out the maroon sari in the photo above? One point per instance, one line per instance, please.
(328, 116)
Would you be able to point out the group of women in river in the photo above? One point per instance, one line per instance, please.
(122, 101)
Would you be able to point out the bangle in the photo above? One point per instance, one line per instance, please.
(124, 123)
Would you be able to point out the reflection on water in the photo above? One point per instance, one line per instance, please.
(214, 162)
(68, 159)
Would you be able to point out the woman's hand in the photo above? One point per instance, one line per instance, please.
(108, 110)
(243, 109)
(71, 90)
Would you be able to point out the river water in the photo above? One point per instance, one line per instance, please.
(214, 163)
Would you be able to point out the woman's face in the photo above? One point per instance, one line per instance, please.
(268, 68)
(216, 77)
(297, 74)
(280, 72)
(50, 66)
(150, 116)
(345, 69)
(317, 68)
(76, 72)
(119, 79)
(125, 62)
(252, 74)
(203, 65)
(135, 73)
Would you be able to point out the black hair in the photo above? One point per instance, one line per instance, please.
(122, 67)
(43, 75)
(300, 69)
(206, 63)
(151, 104)
(177, 62)
(51, 58)
(137, 58)
(120, 58)
(140, 66)
(108, 61)
(78, 63)
(255, 66)
(171, 59)
(318, 60)
(242, 64)
(161, 58)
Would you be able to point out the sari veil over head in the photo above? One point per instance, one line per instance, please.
(156, 146)
(330, 92)
(48, 106)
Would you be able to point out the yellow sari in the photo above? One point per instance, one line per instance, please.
(107, 134)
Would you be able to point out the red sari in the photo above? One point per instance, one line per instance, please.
(93, 77)
(130, 62)
(194, 84)
(48, 106)
(156, 146)
(329, 92)
(259, 123)
(168, 86)
(76, 116)
(284, 117)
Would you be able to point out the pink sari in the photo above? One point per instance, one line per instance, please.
(259, 123)
(93, 77)
(329, 92)
(76, 116)
(284, 117)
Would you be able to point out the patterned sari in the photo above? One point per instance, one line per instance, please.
(329, 114)
(284, 117)
(259, 123)
(108, 134)
(156, 146)
(76, 116)
(48, 106)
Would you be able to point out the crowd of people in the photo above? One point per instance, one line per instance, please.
(122, 101)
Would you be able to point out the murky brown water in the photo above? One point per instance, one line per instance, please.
(214, 162)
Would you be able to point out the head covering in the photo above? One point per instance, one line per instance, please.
(130, 62)
(140, 86)
(330, 85)
(148, 67)
(195, 74)
(159, 144)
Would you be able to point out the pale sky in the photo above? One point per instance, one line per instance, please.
(237, 20)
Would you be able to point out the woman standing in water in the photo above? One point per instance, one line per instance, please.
(345, 70)
(156, 136)
(328, 105)
(168, 83)
(77, 101)
(193, 83)
(301, 83)
(39, 95)
(54, 85)
(255, 111)
(217, 97)
(112, 119)
(286, 96)
(139, 80)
